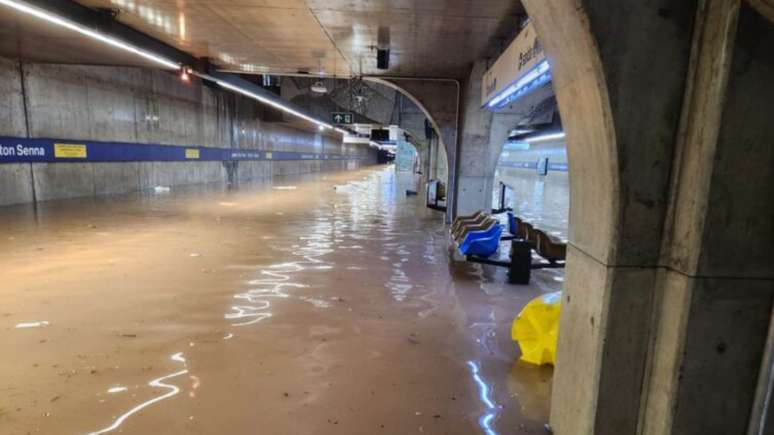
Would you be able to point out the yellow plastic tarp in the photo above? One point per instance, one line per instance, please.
(536, 329)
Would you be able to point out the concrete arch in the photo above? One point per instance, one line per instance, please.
(446, 139)
(439, 100)
(765, 7)
(619, 174)
(650, 111)
(582, 95)
(591, 143)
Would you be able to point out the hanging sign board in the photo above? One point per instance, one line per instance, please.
(522, 56)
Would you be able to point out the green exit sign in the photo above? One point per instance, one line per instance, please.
(342, 118)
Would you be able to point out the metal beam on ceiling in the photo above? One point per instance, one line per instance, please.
(104, 22)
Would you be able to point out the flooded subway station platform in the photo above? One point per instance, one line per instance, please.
(330, 304)
(314, 294)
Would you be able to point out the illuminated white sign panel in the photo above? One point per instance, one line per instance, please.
(521, 68)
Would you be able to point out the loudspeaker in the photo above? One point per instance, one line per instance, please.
(382, 59)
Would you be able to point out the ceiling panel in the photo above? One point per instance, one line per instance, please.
(426, 38)
(422, 42)
(438, 38)
(236, 35)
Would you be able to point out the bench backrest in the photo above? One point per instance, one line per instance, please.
(528, 232)
(471, 223)
(461, 220)
(548, 248)
(484, 225)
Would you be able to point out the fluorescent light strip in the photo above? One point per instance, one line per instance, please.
(268, 101)
(533, 74)
(544, 137)
(62, 22)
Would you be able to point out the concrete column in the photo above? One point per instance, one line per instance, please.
(482, 137)
(714, 295)
(434, 155)
(474, 179)
(669, 278)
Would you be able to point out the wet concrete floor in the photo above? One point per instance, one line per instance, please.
(331, 304)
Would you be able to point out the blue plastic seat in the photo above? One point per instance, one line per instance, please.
(482, 243)
(513, 225)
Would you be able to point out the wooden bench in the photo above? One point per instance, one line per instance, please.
(550, 249)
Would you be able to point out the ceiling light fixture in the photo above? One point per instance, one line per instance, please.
(185, 74)
(319, 87)
(270, 102)
(63, 22)
(544, 137)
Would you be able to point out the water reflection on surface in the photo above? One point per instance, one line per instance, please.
(492, 410)
(336, 307)
(543, 201)
(172, 390)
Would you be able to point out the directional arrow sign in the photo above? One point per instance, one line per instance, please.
(342, 118)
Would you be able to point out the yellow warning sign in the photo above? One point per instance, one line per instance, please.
(268, 155)
(191, 153)
(69, 151)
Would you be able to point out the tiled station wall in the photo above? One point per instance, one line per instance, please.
(135, 105)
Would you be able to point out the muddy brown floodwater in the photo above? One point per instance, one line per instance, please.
(330, 304)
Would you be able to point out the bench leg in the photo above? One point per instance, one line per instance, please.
(521, 262)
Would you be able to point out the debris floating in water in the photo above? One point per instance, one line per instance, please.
(40, 324)
(115, 390)
(161, 189)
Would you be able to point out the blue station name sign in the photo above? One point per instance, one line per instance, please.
(22, 150)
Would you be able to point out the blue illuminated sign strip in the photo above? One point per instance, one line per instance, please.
(559, 167)
(22, 150)
(536, 77)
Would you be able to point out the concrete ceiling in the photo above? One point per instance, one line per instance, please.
(426, 37)
(28, 38)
